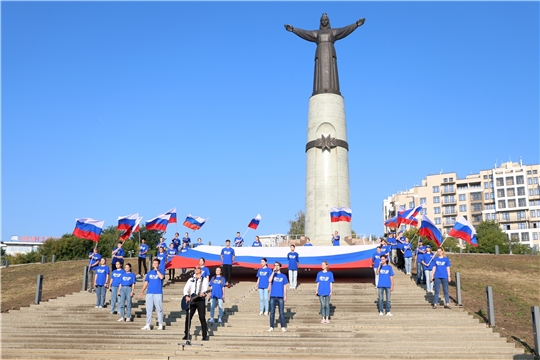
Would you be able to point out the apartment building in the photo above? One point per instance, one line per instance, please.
(508, 194)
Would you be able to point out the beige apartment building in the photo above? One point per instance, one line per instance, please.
(508, 194)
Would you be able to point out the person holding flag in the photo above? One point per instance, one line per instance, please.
(428, 266)
(143, 250)
(419, 257)
(93, 263)
(238, 240)
(186, 239)
(117, 256)
(176, 241)
(335, 239)
(441, 275)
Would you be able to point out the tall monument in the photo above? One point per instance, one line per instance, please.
(327, 150)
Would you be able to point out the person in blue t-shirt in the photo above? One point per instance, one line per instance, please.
(186, 239)
(205, 272)
(93, 262)
(162, 243)
(238, 240)
(154, 296)
(400, 259)
(392, 243)
(127, 289)
(257, 242)
(278, 295)
(294, 260)
(227, 259)
(385, 248)
(117, 255)
(419, 257)
(162, 257)
(198, 243)
(143, 250)
(263, 275)
(218, 295)
(115, 278)
(375, 261)
(308, 242)
(101, 281)
(324, 282)
(441, 275)
(171, 253)
(427, 265)
(385, 286)
(176, 241)
(407, 256)
(183, 250)
(335, 239)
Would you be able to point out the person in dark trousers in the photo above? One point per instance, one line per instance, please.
(227, 259)
(143, 250)
(195, 292)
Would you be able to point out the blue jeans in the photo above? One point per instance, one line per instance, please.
(213, 306)
(438, 282)
(420, 276)
(429, 284)
(325, 305)
(280, 303)
(151, 301)
(382, 291)
(114, 297)
(101, 293)
(408, 265)
(125, 300)
(263, 300)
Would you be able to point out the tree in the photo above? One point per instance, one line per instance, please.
(489, 234)
(298, 225)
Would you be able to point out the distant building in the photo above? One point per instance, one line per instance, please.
(508, 194)
(23, 244)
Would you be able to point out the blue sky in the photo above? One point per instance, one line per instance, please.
(112, 108)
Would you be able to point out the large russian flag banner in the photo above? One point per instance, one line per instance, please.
(254, 223)
(126, 222)
(194, 222)
(88, 228)
(340, 214)
(172, 212)
(429, 230)
(158, 223)
(464, 230)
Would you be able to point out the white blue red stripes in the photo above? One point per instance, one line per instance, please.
(194, 222)
(88, 228)
(172, 213)
(392, 222)
(340, 214)
(126, 222)
(158, 223)
(464, 230)
(429, 230)
(254, 223)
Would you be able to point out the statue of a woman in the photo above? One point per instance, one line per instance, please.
(326, 75)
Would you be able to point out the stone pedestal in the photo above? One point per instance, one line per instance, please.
(327, 168)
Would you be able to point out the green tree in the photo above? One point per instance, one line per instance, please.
(298, 225)
(490, 234)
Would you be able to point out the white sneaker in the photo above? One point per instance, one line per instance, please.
(381, 313)
(146, 327)
(270, 330)
(283, 330)
(120, 320)
(97, 306)
(260, 313)
(265, 313)
(389, 314)
(160, 327)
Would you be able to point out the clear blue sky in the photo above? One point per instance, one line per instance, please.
(112, 108)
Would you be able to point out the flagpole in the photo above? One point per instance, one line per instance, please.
(245, 233)
(446, 237)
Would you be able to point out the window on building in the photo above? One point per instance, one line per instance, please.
(445, 180)
(535, 180)
(529, 181)
(535, 236)
(514, 237)
(491, 184)
(492, 195)
(462, 197)
(500, 192)
(451, 179)
(462, 208)
(529, 172)
(423, 211)
(490, 206)
(437, 221)
(537, 191)
(533, 213)
(423, 201)
(451, 220)
(509, 180)
(485, 177)
(522, 225)
(476, 196)
(521, 191)
(520, 180)
(510, 192)
(437, 210)
(486, 196)
(477, 218)
(535, 171)
(500, 181)
(448, 188)
(525, 237)
(436, 199)
(411, 204)
(511, 203)
(521, 215)
(449, 210)
(476, 207)
(502, 204)
(522, 202)
(488, 217)
(449, 199)
(486, 185)
(505, 215)
(435, 189)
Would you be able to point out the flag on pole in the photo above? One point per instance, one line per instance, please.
(88, 228)
(194, 222)
(254, 223)
(464, 230)
(126, 222)
(338, 214)
(172, 212)
(135, 228)
(158, 223)
(429, 230)
(137, 225)
(391, 223)
(408, 217)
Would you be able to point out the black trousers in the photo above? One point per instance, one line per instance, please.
(200, 306)
(227, 272)
(143, 262)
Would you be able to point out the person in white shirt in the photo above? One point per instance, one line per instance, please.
(195, 292)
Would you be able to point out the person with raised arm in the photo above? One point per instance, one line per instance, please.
(154, 295)
(278, 296)
(385, 286)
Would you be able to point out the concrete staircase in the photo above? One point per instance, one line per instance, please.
(71, 328)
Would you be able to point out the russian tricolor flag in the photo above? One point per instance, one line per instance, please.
(172, 212)
(464, 230)
(429, 230)
(135, 228)
(254, 223)
(340, 214)
(158, 223)
(408, 216)
(194, 222)
(88, 229)
(126, 222)
(392, 222)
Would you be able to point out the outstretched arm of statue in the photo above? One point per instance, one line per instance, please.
(288, 27)
(361, 22)
(309, 35)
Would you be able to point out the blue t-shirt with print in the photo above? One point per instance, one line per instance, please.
(128, 279)
(162, 262)
(324, 279)
(228, 254)
(115, 259)
(171, 254)
(101, 274)
(155, 286)
(441, 265)
(176, 243)
(278, 285)
(256, 244)
(427, 258)
(217, 283)
(376, 259)
(238, 241)
(407, 248)
(335, 240)
(93, 259)
(264, 275)
(205, 272)
(385, 272)
(142, 250)
(186, 240)
(308, 244)
(293, 260)
(116, 276)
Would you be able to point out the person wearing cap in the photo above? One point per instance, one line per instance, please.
(419, 256)
(375, 261)
(427, 265)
